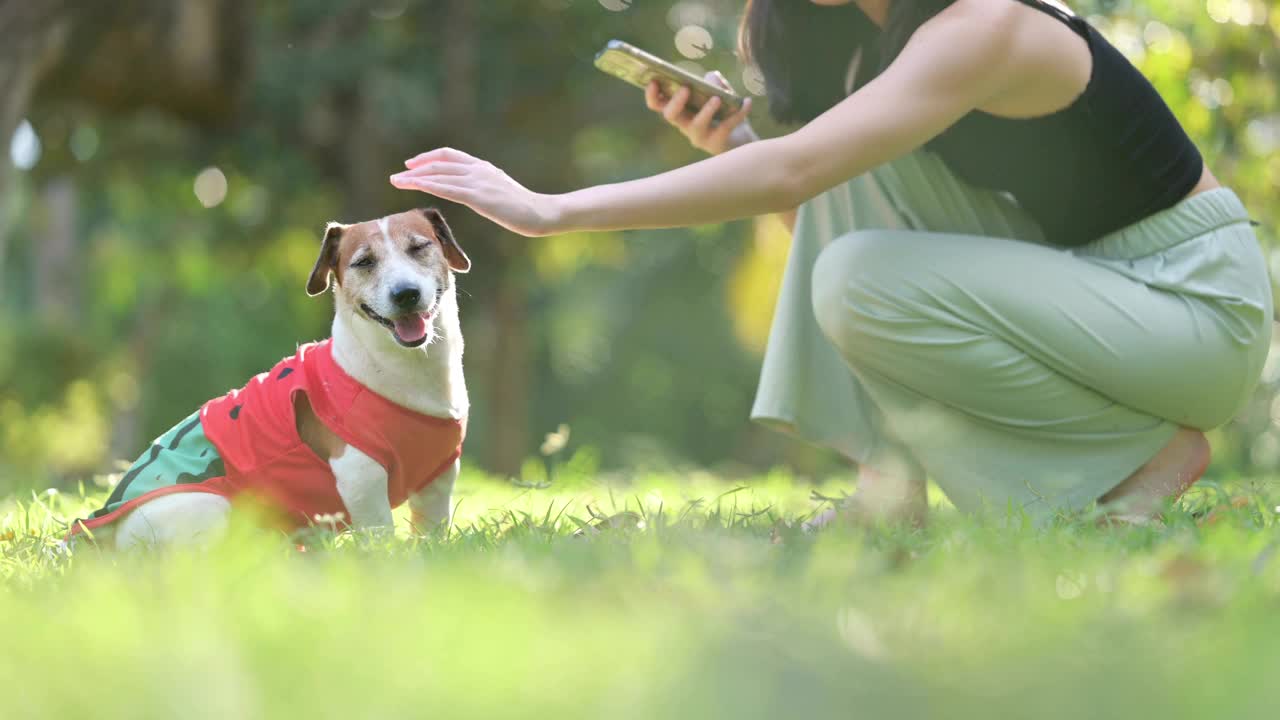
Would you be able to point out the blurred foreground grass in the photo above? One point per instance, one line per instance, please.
(694, 601)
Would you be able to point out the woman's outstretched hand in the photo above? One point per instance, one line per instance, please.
(700, 128)
(456, 176)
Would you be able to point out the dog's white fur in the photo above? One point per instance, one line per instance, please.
(427, 379)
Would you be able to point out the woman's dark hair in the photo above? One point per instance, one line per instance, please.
(804, 49)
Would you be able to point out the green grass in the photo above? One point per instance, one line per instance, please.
(706, 602)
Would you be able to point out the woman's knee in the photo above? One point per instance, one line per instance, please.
(850, 272)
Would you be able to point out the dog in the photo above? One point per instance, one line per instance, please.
(343, 431)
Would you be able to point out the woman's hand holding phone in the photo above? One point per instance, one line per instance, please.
(701, 128)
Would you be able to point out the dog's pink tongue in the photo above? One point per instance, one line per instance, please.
(411, 328)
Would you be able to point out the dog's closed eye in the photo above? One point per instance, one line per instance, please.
(417, 244)
(364, 261)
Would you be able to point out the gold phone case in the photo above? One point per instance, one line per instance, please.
(637, 67)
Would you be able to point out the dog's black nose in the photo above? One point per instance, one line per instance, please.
(405, 296)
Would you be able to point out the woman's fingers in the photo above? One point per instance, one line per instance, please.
(716, 78)
(446, 154)
(701, 123)
(674, 111)
(439, 154)
(434, 168)
(441, 189)
(653, 96)
(701, 127)
(727, 125)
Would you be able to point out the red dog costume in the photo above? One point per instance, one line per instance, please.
(247, 442)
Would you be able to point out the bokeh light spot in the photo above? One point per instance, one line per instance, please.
(1158, 36)
(1213, 93)
(24, 147)
(1263, 135)
(211, 187)
(753, 80)
(688, 13)
(1240, 12)
(694, 41)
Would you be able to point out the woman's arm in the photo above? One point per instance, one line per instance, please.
(952, 64)
(703, 133)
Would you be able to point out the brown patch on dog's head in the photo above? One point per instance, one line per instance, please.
(457, 259)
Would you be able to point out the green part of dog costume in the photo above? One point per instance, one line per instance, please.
(181, 456)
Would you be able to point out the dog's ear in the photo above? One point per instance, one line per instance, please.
(458, 260)
(327, 262)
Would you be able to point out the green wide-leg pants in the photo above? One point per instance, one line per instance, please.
(923, 325)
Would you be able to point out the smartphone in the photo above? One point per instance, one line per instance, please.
(637, 67)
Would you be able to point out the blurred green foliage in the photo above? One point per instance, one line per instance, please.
(647, 343)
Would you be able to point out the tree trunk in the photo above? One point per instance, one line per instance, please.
(31, 38)
(57, 267)
(508, 368)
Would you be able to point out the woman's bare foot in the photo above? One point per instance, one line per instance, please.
(1167, 475)
(880, 498)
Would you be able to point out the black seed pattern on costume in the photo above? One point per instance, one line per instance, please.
(285, 373)
(117, 495)
(216, 469)
(177, 438)
(235, 412)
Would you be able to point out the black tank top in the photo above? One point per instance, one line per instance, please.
(1114, 156)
